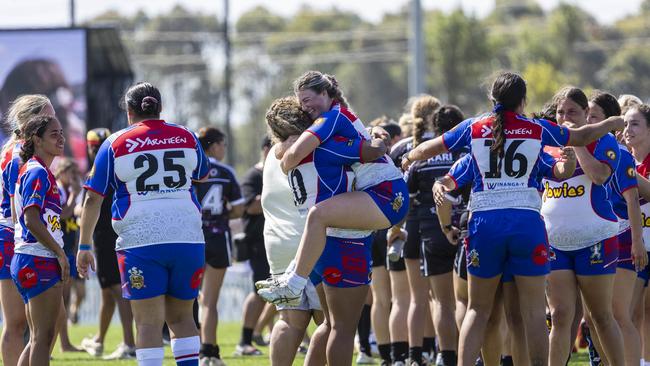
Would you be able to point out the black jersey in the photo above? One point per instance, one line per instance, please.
(221, 187)
(421, 177)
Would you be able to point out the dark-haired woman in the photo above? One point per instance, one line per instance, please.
(39, 265)
(506, 229)
(13, 311)
(582, 229)
(160, 247)
(632, 256)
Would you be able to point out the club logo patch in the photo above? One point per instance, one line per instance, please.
(136, 278)
(611, 154)
(631, 172)
(397, 202)
(473, 259)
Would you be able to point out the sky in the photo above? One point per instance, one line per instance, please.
(54, 13)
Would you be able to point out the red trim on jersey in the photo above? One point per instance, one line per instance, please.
(308, 159)
(89, 188)
(644, 167)
(7, 156)
(346, 112)
(315, 135)
(152, 135)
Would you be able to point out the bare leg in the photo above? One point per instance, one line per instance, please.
(562, 297)
(597, 291)
(516, 328)
(44, 324)
(210, 289)
(317, 352)
(533, 309)
(351, 210)
(491, 349)
(624, 285)
(444, 310)
(472, 333)
(14, 322)
(287, 334)
(344, 305)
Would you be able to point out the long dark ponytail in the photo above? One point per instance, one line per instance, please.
(507, 93)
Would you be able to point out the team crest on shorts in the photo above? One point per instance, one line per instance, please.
(136, 278)
(596, 254)
(398, 202)
(551, 254)
(611, 154)
(472, 258)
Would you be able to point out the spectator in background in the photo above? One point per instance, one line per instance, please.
(253, 221)
(68, 180)
(108, 274)
(221, 200)
(627, 101)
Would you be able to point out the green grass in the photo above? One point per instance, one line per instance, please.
(228, 338)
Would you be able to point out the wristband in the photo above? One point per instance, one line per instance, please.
(84, 247)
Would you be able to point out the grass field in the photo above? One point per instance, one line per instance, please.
(228, 338)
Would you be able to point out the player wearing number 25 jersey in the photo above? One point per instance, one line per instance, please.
(151, 165)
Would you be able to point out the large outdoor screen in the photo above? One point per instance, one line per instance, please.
(53, 63)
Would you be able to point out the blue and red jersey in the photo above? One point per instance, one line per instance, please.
(37, 188)
(150, 166)
(10, 165)
(509, 181)
(339, 121)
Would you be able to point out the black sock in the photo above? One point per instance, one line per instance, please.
(216, 352)
(364, 330)
(384, 352)
(507, 361)
(399, 351)
(246, 336)
(429, 345)
(449, 358)
(206, 350)
(415, 355)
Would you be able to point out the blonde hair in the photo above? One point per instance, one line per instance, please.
(627, 101)
(406, 124)
(285, 117)
(21, 110)
(422, 110)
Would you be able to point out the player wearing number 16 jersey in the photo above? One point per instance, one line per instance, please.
(506, 230)
(160, 246)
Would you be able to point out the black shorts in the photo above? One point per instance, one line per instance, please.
(411, 248)
(108, 272)
(379, 248)
(218, 249)
(437, 254)
(460, 263)
(379, 253)
(259, 264)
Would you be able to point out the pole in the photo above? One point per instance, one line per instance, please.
(72, 14)
(416, 50)
(228, 84)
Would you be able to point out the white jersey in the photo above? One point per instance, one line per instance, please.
(286, 200)
(577, 212)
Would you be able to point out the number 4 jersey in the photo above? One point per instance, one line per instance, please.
(511, 181)
(150, 166)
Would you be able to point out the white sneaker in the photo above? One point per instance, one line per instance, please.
(93, 347)
(211, 361)
(122, 352)
(281, 294)
(364, 359)
(269, 282)
(399, 363)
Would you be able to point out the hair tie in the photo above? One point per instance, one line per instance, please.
(146, 100)
(497, 108)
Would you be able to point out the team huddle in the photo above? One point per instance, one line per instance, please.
(452, 240)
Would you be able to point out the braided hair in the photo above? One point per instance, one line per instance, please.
(507, 93)
(36, 126)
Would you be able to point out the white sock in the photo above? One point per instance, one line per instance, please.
(645, 363)
(296, 283)
(150, 356)
(186, 350)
